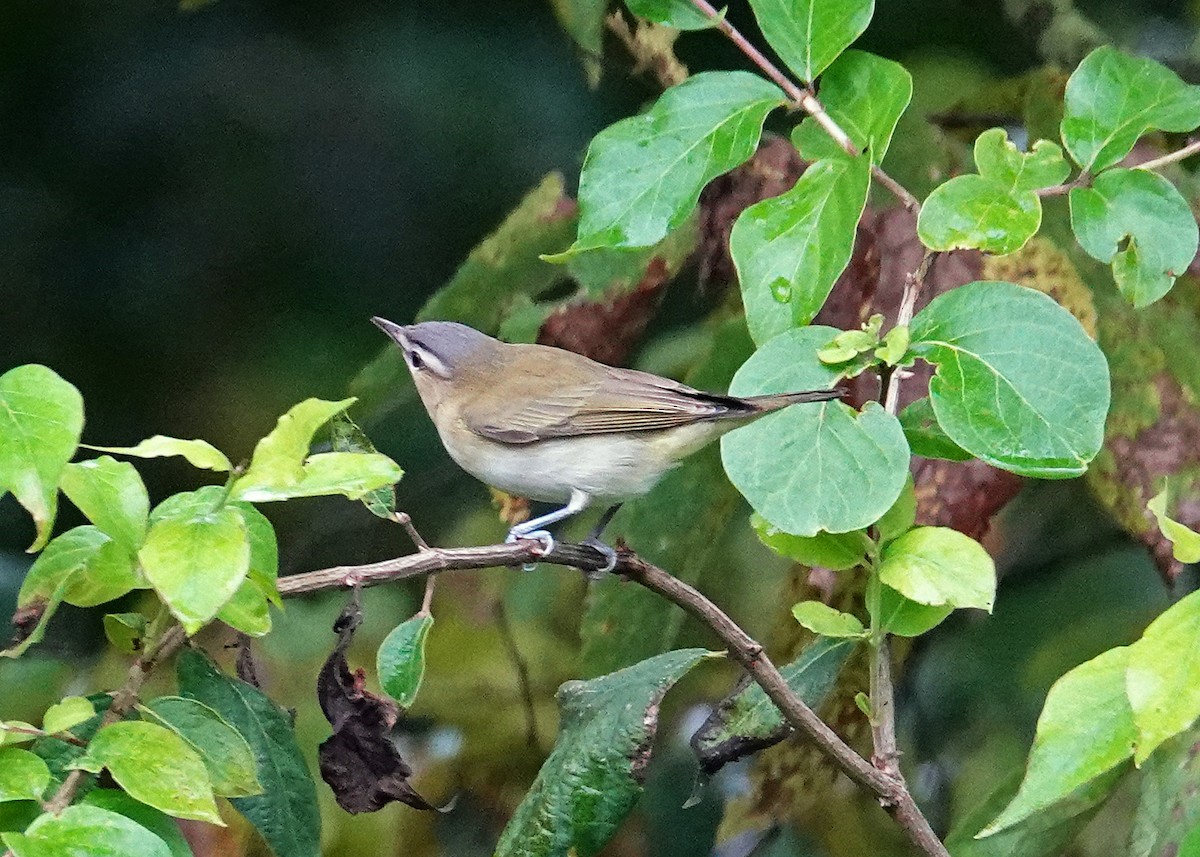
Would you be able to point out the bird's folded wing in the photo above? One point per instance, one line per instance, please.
(622, 400)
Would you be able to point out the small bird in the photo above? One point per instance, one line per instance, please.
(555, 426)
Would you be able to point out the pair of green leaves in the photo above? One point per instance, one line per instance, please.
(924, 574)
(1019, 384)
(1122, 704)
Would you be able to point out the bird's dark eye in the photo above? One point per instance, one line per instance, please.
(414, 359)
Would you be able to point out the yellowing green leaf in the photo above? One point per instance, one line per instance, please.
(198, 453)
(1185, 543)
(940, 567)
(113, 497)
(23, 776)
(86, 831)
(826, 621)
(1162, 679)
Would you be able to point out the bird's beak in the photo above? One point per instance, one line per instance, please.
(393, 330)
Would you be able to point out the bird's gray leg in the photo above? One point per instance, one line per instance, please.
(533, 529)
(593, 541)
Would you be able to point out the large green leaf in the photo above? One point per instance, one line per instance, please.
(809, 34)
(23, 776)
(680, 14)
(1163, 677)
(748, 720)
(158, 823)
(643, 176)
(1085, 730)
(592, 777)
(41, 418)
(156, 766)
(226, 755)
(1112, 99)
(197, 563)
(85, 831)
(790, 249)
(940, 567)
(198, 453)
(865, 95)
(286, 812)
(812, 467)
(400, 662)
(67, 714)
(1019, 383)
(835, 551)
(996, 211)
(1139, 222)
(907, 618)
(113, 497)
(925, 437)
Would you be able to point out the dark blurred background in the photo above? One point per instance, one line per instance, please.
(201, 207)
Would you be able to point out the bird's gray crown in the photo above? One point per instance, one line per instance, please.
(452, 343)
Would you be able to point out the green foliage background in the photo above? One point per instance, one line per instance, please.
(200, 210)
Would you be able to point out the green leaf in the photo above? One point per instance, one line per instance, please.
(158, 823)
(643, 176)
(940, 567)
(1139, 222)
(592, 777)
(113, 497)
(1112, 99)
(197, 563)
(400, 663)
(809, 34)
(346, 436)
(247, 610)
(907, 618)
(1169, 803)
(278, 460)
(894, 347)
(199, 453)
(286, 812)
(352, 474)
(996, 211)
(899, 519)
(226, 755)
(1185, 543)
(812, 467)
(1085, 730)
(680, 14)
(84, 567)
(790, 249)
(85, 831)
(41, 418)
(826, 621)
(264, 551)
(125, 631)
(10, 735)
(925, 437)
(866, 96)
(748, 720)
(23, 776)
(1163, 676)
(1019, 384)
(835, 551)
(155, 766)
(67, 714)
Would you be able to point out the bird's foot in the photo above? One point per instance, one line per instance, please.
(542, 537)
(607, 552)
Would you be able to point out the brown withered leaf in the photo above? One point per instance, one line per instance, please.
(359, 761)
(607, 330)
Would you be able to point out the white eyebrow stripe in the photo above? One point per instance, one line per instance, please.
(429, 359)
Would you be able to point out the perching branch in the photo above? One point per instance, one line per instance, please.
(806, 100)
(890, 790)
(1170, 158)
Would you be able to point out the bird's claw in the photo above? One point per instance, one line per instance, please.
(604, 550)
(542, 537)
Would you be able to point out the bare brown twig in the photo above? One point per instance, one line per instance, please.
(890, 789)
(806, 100)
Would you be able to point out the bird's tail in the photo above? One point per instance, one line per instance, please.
(775, 401)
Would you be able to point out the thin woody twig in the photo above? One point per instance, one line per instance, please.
(123, 699)
(806, 99)
(522, 667)
(891, 790)
(913, 283)
(405, 520)
(1170, 158)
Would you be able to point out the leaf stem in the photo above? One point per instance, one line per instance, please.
(890, 789)
(806, 99)
(1171, 157)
